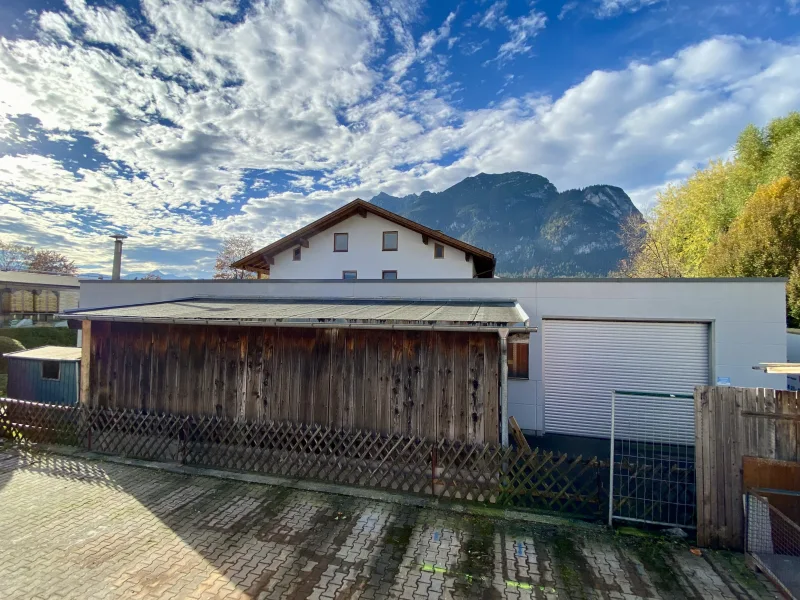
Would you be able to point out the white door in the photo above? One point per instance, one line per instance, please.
(584, 361)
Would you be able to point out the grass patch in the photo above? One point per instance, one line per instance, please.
(33, 337)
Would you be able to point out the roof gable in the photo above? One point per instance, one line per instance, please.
(260, 260)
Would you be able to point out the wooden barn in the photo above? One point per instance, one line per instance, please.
(426, 368)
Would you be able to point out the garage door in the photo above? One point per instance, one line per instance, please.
(585, 360)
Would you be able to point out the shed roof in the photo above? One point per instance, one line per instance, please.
(380, 313)
(60, 353)
(38, 279)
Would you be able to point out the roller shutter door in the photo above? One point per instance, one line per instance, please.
(585, 360)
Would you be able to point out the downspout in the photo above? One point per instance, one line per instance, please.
(503, 333)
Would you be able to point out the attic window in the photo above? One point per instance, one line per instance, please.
(438, 251)
(51, 369)
(340, 242)
(389, 241)
(296, 254)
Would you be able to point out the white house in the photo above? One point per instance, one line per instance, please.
(363, 241)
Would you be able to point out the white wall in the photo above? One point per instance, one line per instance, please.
(412, 260)
(747, 317)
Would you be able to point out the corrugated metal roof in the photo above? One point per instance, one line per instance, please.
(64, 353)
(317, 310)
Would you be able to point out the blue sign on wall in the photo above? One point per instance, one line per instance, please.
(723, 380)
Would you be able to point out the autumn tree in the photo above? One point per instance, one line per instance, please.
(735, 218)
(15, 257)
(49, 261)
(234, 247)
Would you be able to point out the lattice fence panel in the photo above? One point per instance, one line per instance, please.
(447, 469)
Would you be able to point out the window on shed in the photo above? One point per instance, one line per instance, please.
(517, 360)
(389, 240)
(296, 255)
(349, 274)
(438, 251)
(340, 242)
(51, 369)
(389, 275)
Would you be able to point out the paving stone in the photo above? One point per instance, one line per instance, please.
(74, 528)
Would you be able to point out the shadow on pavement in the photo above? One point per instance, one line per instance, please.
(145, 533)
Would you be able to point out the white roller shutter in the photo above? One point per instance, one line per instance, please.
(585, 360)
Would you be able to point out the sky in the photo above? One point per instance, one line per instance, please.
(181, 122)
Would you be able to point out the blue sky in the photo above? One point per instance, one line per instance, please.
(180, 122)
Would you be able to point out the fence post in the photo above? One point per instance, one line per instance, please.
(611, 463)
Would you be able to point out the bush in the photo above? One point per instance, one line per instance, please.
(33, 337)
(8, 344)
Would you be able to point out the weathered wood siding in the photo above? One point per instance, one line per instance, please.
(731, 423)
(426, 384)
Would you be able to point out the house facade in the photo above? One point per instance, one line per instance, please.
(363, 241)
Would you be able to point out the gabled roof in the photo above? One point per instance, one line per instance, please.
(260, 260)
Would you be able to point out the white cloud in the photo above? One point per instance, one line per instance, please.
(521, 30)
(793, 6)
(566, 9)
(611, 8)
(297, 96)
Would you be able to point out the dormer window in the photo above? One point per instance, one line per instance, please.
(296, 255)
(389, 241)
(438, 251)
(340, 242)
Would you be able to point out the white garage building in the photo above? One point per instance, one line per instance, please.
(593, 336)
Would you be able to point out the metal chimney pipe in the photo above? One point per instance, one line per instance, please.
(115, 273)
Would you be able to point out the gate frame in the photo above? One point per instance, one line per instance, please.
(612, 461)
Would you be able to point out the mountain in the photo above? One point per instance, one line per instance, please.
(533, 229)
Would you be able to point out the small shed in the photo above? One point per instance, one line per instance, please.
(50, 374)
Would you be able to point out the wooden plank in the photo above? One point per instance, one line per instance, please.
(461, 386)
(266, 374)
(769, 440)
(347, 378)
(412, 384)
(159, 368)
(477, 388)
(383, 399)
(446, 388)
(492, 417)
(736, 396)
(336, 393)
(517, 434)
(186, 404)
(301, 343)
(427, 392)
(714, 538)
(702, 475)
(253, 409)
(146, 369)
(87, 382)
(397, 378)
(322, 375)
(365, 369)
(786, 429)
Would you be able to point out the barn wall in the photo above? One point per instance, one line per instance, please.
(426, 384)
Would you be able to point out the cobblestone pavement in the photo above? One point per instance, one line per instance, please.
(74, 528)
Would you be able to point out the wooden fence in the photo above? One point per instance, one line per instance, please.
(732, 424)
(445, 469)
(428, 384)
